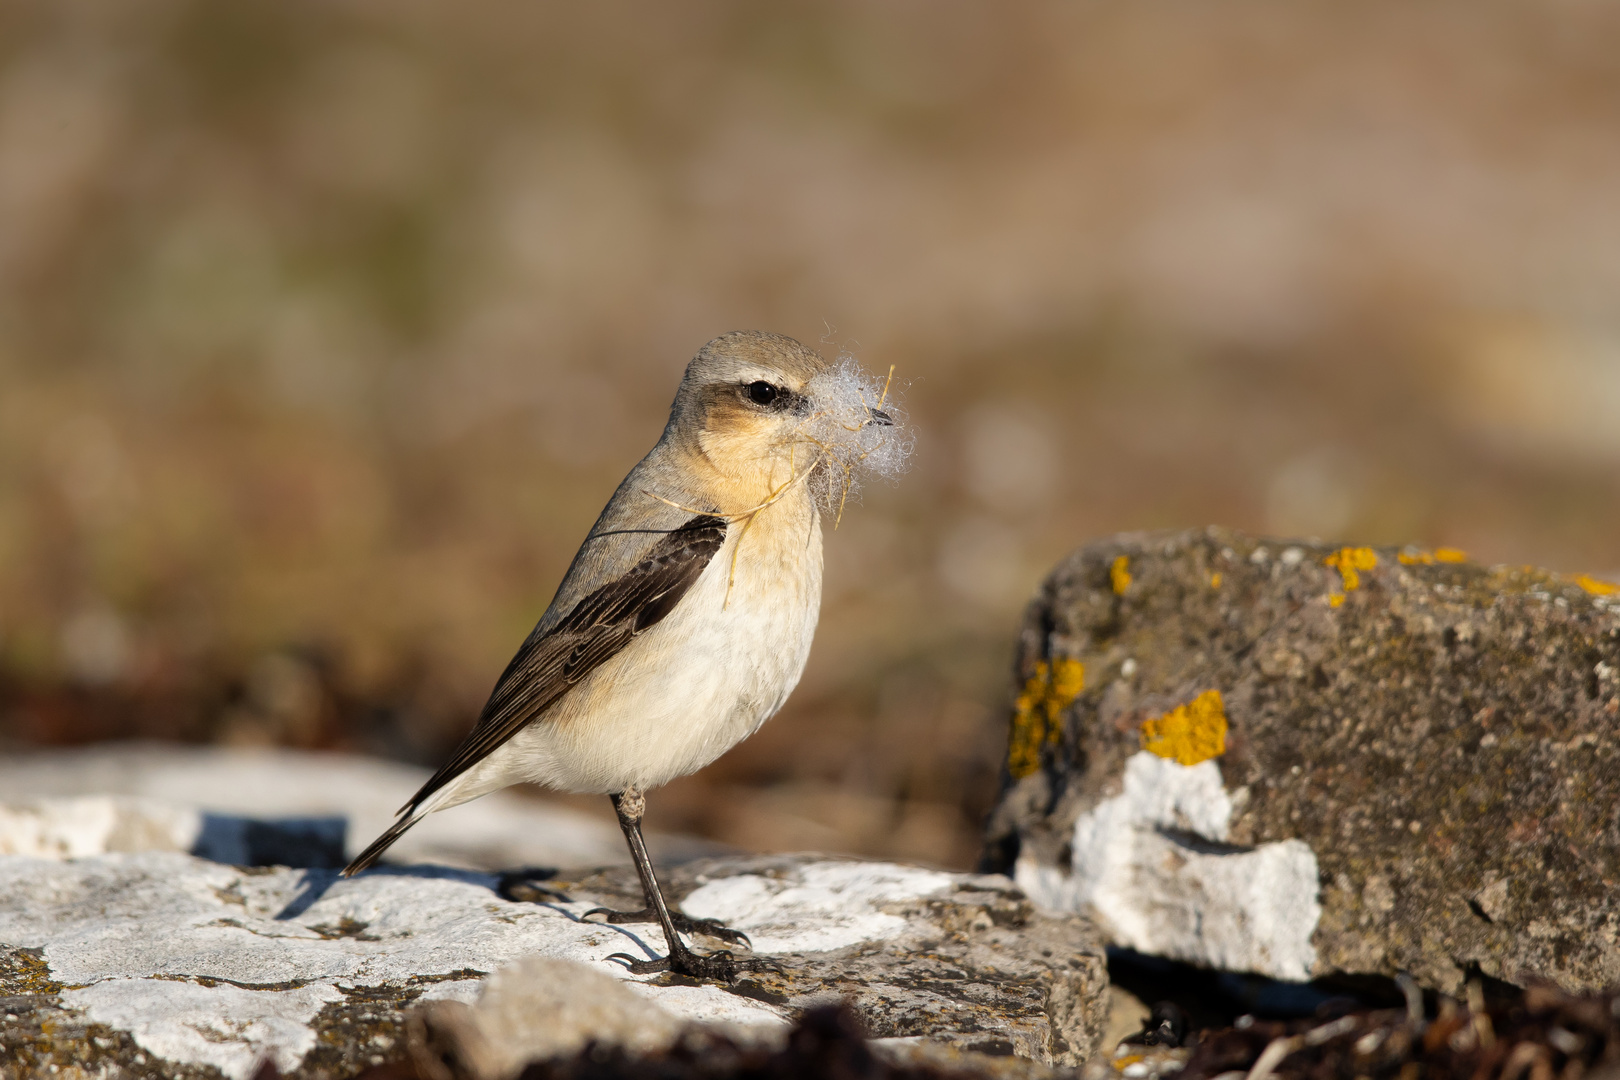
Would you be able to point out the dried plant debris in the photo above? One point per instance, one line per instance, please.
(1542, 1034)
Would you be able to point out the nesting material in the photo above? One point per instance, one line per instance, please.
(848, 442)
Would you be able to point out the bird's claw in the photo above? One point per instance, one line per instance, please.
(684, 924)
(641, 967)
(719, 967)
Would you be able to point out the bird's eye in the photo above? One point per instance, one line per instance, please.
(762, 393)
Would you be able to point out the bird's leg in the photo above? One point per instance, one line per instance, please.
(630, 805)
(679, 919)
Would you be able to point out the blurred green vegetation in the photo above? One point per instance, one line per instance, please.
(326, 329)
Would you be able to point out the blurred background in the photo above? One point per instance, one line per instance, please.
(327, 328)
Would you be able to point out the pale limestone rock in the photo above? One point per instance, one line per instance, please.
(162, 964)
(1152, 865)
(263, 806)
(70, 828)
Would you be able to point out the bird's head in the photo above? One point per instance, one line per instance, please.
(765, 410)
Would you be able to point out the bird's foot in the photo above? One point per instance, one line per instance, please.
(719, 967)
(684, 924)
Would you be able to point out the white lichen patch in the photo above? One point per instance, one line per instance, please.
(708, 1004)
(849, 443)
(825, 906)
(1151, 867)
(225, 1026)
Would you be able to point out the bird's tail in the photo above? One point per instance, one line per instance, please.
(369, 856)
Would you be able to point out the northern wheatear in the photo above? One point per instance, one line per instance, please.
(685, 619)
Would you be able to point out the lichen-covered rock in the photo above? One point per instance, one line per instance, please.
(963, 960)
(159, 964)
(1298, 759)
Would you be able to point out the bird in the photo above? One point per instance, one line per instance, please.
(686, 618)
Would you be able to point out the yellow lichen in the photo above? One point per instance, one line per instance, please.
(1189, 733)
(1414, 557)
(1037, 715)
(1215, 580)
(1349, 561)
(1335, 599)
(1596, 587)
(1120, 574)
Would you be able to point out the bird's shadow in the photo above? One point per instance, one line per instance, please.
(316, 882)
(580, 920)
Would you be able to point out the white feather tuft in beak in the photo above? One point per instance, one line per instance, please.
(855, 430)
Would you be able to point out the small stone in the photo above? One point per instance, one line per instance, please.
(1493, 900)
(544, 1008)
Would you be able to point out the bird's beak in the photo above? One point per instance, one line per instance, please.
(881, 418)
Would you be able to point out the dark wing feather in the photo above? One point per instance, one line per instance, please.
(549, 665)
(600, 625)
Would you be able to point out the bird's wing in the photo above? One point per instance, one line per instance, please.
(552, 661)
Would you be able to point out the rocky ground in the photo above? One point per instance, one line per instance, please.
(1332, 811)
(165, 964)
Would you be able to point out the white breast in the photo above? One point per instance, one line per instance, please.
(691, 687)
